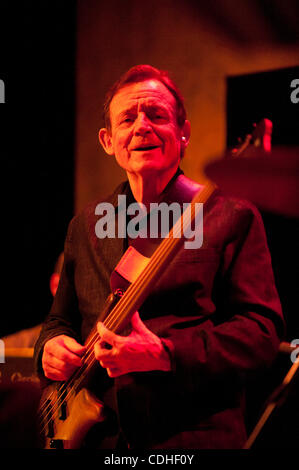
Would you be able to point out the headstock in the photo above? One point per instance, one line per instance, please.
(259, 138)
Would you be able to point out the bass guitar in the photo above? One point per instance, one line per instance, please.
(68, 409)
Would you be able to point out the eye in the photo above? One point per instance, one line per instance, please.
(158, 117)
(126, 121)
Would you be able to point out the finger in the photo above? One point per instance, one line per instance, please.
(59, 364)
(61, 369)
(113, 372)
(51, 361)
(107, 335)
(62, 353)
(54, 374)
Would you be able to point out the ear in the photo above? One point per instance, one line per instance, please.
(106, 141)
(186, 132)
(185, 136)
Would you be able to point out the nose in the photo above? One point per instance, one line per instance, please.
(142, 125)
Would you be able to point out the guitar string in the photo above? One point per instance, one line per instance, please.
(114, 314)
(92, 342)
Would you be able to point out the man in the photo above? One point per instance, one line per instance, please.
(212, 319)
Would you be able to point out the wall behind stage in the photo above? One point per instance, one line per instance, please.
(198, 45)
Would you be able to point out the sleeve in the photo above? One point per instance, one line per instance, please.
(64, 317)
(246, 335)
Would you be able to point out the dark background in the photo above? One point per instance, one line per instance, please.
(37, 64)
(37, 139)
(251, 98)
(255, 96)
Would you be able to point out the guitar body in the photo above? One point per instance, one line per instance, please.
(73, 419)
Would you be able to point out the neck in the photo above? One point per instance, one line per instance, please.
(147, 187)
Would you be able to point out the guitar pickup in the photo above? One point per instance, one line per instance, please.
(62, 412)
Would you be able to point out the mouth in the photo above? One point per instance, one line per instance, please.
(145, 148)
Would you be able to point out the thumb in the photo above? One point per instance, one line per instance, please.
(72, 345)
(137, 324)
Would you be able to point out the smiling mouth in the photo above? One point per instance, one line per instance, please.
(149, 147)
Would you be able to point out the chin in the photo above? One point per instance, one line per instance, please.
(148, 167)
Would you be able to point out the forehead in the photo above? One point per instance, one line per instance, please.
(148, 92)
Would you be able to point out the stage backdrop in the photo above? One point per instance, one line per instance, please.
(201, 45)
(251, 98)
(57, 60)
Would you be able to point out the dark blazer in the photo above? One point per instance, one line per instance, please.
(215, 307)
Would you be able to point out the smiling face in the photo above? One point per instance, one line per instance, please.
(145, 137)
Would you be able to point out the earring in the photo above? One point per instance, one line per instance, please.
(184, 139)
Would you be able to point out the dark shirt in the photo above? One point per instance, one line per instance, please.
(215, 307)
